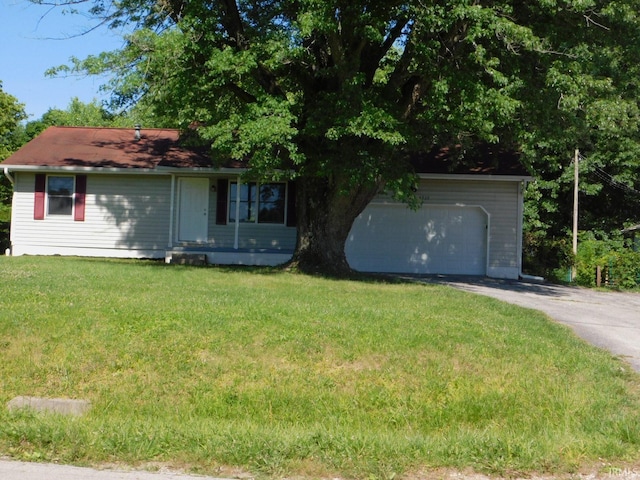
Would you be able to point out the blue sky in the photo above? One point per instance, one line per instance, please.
(34, 38)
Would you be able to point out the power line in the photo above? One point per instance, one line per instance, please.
(600, 173)
(611, 181)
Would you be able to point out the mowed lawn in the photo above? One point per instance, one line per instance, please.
(220, 370)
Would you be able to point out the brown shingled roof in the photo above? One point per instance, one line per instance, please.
(481, 160)
(106, 148)
(118, 148)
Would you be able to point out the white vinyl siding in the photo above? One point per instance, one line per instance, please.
(499, 199)
(251, 235)
(130, 215)
(122, 212)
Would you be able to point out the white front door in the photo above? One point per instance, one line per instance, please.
(193, 212)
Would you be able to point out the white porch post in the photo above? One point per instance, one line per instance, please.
(236, 241)
(172, 209)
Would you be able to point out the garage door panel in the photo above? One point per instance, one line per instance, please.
(434, 239)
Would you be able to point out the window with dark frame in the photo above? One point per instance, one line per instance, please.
(60, 195)
(258, 203)
(247, 200)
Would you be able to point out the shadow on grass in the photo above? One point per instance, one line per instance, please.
(545, 289)
(542, 288)
(373, 278)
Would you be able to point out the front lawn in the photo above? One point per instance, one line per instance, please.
(278, 374)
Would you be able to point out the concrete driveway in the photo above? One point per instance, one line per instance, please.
(609, 320)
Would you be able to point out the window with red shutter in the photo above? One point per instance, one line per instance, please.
(60, 195)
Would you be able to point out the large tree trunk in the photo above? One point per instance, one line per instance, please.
(326, 211)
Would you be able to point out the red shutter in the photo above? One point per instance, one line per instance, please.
(79, 198)
(38, 201)
(221, 204)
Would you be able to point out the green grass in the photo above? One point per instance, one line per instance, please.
(279, 374)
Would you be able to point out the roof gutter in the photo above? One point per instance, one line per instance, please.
(69, 170)
(475, 176)
(128, 170)
(8, 175)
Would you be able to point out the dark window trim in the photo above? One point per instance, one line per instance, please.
(287, 203)
(289, 219)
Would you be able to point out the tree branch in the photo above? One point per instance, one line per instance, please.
(400, 71)
(232, 23)
(370, 58)
(241, 93)
(411, 94)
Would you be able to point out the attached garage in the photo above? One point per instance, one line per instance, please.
(469, 222)
(434, 239)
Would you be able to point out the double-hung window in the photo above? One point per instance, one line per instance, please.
(60, 195)
(257, 202)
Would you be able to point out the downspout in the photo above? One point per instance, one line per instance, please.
(8, 175)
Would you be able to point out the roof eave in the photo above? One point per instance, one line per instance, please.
(125, 170)
(234, 171)
(203, 170)
(481, 177)
(74, 169)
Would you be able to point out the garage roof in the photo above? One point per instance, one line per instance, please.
(481, 160)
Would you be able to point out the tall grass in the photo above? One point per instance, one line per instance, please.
(285, 374)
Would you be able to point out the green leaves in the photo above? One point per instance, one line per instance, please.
(11, 114)
(370, 122)
(262, 132)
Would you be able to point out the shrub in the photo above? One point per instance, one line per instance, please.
(549, 257)
(620, 265)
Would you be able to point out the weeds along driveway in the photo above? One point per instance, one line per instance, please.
(609, 320)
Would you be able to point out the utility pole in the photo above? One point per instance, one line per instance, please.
(576, 159)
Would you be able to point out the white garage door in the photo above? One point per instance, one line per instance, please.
(434, 239)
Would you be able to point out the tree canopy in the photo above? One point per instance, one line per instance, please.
(92, 114)
(11, 138)
(11, 114)
(339, 94)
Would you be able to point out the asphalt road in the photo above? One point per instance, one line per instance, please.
(607, 319)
